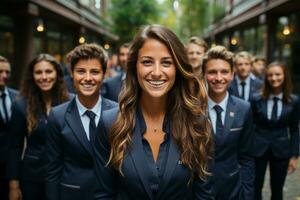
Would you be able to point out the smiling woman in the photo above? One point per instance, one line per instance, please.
(160, 136)
(42, 87)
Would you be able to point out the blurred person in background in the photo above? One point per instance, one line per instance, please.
(259, 67)
(42, 87)
(112, 86)
(195, 49)
(7, 97)
(276, 143)
(244, 85)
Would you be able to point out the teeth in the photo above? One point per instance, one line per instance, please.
(156, 83)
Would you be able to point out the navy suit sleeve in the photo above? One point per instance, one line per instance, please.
(203, 189)
(246, 161)
(18, 131)
(294, 128)
(55, 159)
(106, 176)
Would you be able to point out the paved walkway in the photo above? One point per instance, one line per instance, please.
(291, 188)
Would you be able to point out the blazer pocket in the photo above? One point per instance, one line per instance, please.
(70, 186)
(236, 129)
(234, 172)
(31, 156)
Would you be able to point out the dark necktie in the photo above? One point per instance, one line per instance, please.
(274, 109)
(92, 127)
(4, 107)
(243, 83)
(219, 124)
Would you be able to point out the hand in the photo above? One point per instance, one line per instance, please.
(292, 165)
(15, 194)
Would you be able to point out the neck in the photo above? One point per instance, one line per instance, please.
(197, 71)
(154, 108)
(276, 91)
(243, 78)
(88, 102)
(217, 98)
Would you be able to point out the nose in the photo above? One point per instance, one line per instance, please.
(156, 70)
(88, 76)
(44, 76)
(219, 76)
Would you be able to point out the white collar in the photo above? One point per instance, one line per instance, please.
(222, 104)
(82, 109)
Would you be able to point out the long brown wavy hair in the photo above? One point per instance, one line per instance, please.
(287, 85)
(190, 127)
(33, 95)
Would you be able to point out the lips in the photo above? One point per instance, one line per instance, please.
(87, 86)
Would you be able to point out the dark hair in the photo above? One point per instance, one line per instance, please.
(33, 94)
(125, 45)
(88, 51)
(190, 128)
(287, 86)
(218, 52)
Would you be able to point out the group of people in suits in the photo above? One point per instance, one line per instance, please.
(180, 129)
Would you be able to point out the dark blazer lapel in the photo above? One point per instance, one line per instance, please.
(172, 162)
(139, 159)
(284, 111)
(264, 107)
(231, 113)
(74, 121)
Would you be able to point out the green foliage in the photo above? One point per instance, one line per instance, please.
(194, 17)
(129, 15)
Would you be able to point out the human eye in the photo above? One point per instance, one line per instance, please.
(147, 62)
(79, 71)
(95, 72)
(167, 63)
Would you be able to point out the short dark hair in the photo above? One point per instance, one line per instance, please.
(125, 45)
(88, 51)
(218, 52)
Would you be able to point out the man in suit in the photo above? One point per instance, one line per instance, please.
(7, 96)
(245, 84)
(112, 86)
(73, 126)
(231, 119)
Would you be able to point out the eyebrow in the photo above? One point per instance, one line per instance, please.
(152, 57)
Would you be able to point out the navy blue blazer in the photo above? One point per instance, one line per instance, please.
(134, 185)
(281, 136)
(70, 172)
(233, 174)
(111, 87)
(255, 86)
(5, 135)
(30, 166)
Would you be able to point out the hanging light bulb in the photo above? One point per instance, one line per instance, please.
(40, 26)
(286, 30)
(81, 40)
(106, 46)
(233, 41)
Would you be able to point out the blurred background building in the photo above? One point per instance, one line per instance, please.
(30, 27)
(270, 28)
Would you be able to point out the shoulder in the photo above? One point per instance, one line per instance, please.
(112, 80)
(109, 117)
(257, 81)
(13, 91)
(108, 104)
(295, 98)
(240, 103)
(59, 111)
